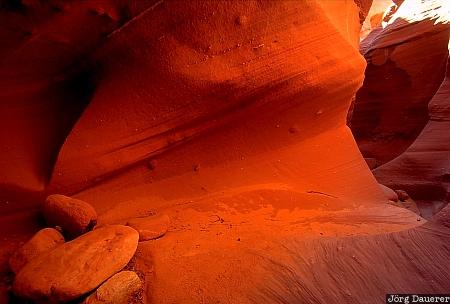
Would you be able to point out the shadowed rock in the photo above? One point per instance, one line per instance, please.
(121, 288)
(74, 216)
(42, 242)
(77, 267)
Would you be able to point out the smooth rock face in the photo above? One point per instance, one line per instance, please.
(168, 88)
(121, 288)
(78, 266)
(423, 170)
(258, 68)
(389, 193)
(406, 60)
(150, 227)
(42, 242)
(401, 115)
(74, 216)
(39, 110)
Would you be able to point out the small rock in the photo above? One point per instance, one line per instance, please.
(122, 288)
(74, 216)
(42, 242)
(389, 193)
(402, 195)
(77, 267)
(151, 227)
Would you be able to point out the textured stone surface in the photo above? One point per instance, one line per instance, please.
(78, 266)
(254, 94)
(74, 216)
(42, 242)
(423, 170)
(44, 83)
(122, 288)
(177, 85)
(406, 65)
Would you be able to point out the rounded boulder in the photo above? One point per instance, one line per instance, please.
(43, 241)
(77, 267)
(74, 216)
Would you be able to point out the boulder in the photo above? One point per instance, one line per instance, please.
(74, 216)
(77, 267)
(389, 193)
(150, 227)
(42, 242)
(122, 288)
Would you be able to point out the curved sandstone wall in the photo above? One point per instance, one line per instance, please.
(424, 168)
(223, 85)
(406, 59)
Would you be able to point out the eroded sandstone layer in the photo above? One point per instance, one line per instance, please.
(424, 168)
(44, 80)
(399, 106)
(406, 56)
(241, 75)
(228, 117)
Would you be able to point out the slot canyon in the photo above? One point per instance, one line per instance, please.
(224, 151)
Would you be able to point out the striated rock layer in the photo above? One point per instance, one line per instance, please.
(423, 170)
(44, 82)
(230, 118)
(249, 71)
(406, 58)
(401, 106)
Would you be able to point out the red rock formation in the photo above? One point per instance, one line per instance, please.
(44, 84)
(227, 66)
(374, 17)
(240, 110)
(406, 64)
(423, 170)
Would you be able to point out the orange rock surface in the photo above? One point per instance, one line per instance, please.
(42, 242)
(77, 267)
(401, 106)
(230, 118)
(44, 83)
